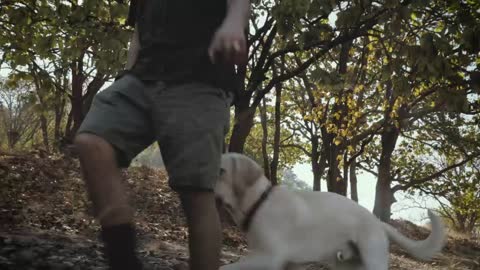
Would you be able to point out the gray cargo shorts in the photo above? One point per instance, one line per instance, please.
(188, 121)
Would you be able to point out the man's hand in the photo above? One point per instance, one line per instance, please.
(229, 43)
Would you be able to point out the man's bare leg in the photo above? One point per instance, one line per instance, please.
(205, 234)
(107, 193)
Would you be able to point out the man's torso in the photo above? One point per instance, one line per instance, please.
(174, 38)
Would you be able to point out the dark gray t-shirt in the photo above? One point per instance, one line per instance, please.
(174, 39)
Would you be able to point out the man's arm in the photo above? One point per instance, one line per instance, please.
(238, 12)
(133, 49)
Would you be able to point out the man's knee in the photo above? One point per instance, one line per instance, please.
(86, 143)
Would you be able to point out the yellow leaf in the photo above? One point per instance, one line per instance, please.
(358, 88)
(337, 141)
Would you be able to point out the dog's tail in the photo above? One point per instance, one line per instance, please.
(424, 249)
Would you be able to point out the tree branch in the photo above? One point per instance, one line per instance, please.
(305, 151)
(434, 175)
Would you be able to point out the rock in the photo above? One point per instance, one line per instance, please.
(7, 241)
(57, 266)
(7, 250)
(25, 242)
(180, 266)
(26, 256)
(4, 260)
(69, 265)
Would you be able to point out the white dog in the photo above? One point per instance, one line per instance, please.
(286, 227)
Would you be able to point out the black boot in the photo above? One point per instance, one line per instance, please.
(120, 247)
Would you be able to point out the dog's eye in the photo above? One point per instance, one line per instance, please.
(340, 256)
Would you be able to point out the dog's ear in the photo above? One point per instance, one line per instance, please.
(249, 173)
(252, 175)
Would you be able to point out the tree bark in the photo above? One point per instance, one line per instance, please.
(335, 182)
(12, 139)
(243, 113)
(81, 103)
(263, 118)
(353, 180)
(317, 174)
(276, 136)
(43, 107)
(77, 92)
(44, 128)
(345, 170)
(59, 112)
(384, 195)
(244, 116)
(92, 89)
(68, 127)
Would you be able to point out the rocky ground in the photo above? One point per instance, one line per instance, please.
(45, 223)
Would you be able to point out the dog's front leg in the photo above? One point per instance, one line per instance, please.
(255, 262)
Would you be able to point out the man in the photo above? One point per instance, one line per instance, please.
(176, 91)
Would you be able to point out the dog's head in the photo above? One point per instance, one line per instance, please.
(238, 173)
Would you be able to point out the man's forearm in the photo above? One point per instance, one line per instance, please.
(133, 50)
(238, 12)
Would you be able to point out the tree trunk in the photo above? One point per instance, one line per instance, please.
(77, 115)
(44, 128)
(461, 222)
(471, 224)
(59, 111)
(243, 113)
(81, 103)
(263, 118)
(316, 178)
(335, 182)
(12, 139)
(92, 89)
(43, 119)
(345, 171)
(68, 127)
(317, 174)
(276, 137)
(384, 194)
(353, 180)
(243, 124)
(78, 79)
